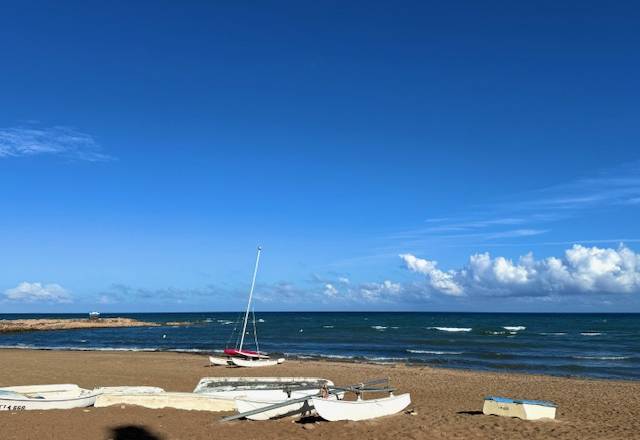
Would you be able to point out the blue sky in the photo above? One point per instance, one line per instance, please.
(147, 148)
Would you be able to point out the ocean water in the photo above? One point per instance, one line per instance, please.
(587, 345)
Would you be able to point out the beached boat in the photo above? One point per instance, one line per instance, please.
(522, 409)
(334, 410)
(237, 355)
(259, 388)
(251, 362)
(129, 390)
(298, 407)
(221, 361)
(158, 400)
(44, 397)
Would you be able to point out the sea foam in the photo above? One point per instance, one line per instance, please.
(451, 329)
(433, 352)
(514, 328)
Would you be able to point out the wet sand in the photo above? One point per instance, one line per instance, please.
(448, 402)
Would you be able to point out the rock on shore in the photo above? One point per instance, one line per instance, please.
(23, 325)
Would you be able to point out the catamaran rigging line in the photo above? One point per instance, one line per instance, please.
(253, 284)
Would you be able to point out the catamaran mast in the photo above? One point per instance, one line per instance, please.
(253, 283)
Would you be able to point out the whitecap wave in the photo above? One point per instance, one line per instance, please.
(379, 327)
(384, 359)
(514, 328)
(327, 326)
(591, 333)
(602, 358)
(553, 333)
(451, 329)
(433, 352)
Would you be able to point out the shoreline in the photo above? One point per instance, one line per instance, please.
(318, 359)
(447, 402)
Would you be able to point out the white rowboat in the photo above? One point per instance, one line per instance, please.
(44, 397)
(334, 410)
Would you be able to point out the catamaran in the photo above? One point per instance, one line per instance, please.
(239, 356)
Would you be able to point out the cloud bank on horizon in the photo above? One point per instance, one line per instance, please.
(581, 270)
(38, 292)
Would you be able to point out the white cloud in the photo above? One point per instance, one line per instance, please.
(36, 292)
(330, 290)
(374, 292)
(439, 280)
(59, 141)
(580, 270)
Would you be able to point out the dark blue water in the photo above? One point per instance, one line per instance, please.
(589, 345)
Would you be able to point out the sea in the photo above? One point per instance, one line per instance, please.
(584, 345)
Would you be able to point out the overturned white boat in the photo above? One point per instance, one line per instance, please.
(129, 390)
(258, 387)
(335, 410)
(44, 397)
(159, 400)
(522, 409)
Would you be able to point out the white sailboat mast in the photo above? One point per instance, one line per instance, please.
(253, 283)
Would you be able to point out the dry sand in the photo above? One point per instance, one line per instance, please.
(447, 402)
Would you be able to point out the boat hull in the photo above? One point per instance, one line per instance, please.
(79, 398)
(335, 410)
(183, 401)
(303, 409)
(219, 361)
(525, 410)
(252, 363)
(259, 388)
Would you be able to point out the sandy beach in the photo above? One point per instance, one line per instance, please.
(447, 402)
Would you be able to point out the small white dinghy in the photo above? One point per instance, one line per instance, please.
(522, 409)
(44, 397)
(335, 410)
(249, 362)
